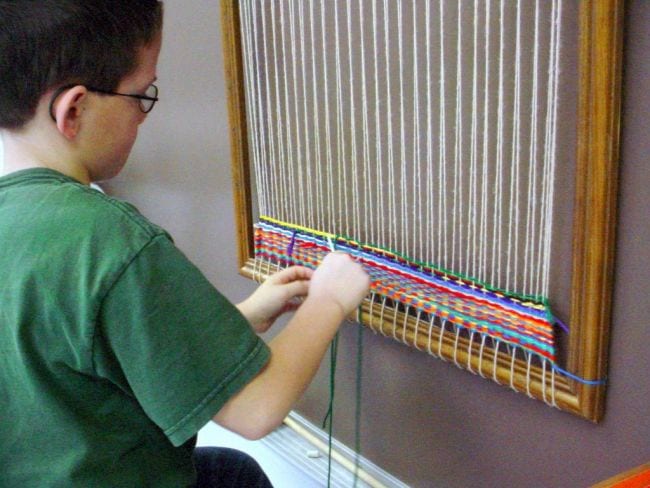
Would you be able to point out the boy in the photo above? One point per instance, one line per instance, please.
(114, 349)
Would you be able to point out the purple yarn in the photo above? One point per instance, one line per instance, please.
(561, 324)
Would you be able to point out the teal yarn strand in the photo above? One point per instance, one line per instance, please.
(328, 421)
(357, 410)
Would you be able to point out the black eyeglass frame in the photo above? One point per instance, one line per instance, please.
(153, 99)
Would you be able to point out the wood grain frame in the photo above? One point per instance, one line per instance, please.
(600, 53)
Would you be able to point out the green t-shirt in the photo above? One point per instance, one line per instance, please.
(114, 349)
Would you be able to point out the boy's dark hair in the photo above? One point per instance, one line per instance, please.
(45, 44)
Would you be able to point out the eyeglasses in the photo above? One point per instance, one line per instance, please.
(147, 101)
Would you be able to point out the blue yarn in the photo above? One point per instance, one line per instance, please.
(578, 378)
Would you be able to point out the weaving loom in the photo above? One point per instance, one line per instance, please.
(423, 138)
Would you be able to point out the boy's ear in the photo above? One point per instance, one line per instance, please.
(68, 109)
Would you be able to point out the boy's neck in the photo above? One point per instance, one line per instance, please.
(24, 152)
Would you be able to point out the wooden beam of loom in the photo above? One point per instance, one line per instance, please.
(600, 50)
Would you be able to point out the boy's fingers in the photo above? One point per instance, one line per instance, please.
(298, 288)
(292, 274)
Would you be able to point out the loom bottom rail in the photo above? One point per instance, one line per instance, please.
(475, 352)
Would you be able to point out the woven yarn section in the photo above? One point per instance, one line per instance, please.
(521, 321)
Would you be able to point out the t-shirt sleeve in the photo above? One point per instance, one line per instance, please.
(168, 338)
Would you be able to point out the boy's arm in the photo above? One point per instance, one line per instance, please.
(336, 289)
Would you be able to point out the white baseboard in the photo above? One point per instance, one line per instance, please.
(305, 446)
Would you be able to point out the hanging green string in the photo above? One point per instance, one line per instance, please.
(328, 421)
(357, 410)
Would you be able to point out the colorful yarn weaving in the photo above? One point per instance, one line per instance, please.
(519, 320)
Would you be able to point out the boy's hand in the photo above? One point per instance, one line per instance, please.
(341, 280)
(335, 289)
(280, 293)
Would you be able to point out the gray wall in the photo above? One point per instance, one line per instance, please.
(425, 421)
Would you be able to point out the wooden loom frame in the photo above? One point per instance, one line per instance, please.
(598, 115)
